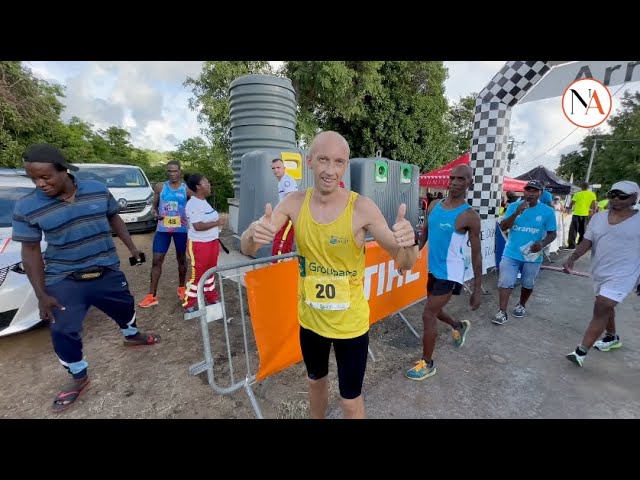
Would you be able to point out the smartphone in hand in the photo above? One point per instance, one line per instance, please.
(133, 261)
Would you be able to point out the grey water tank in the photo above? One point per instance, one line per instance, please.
(258, 185)
(388, 183)
(262, 110)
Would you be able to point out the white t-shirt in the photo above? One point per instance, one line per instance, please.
(200, 211)
(286, 185)
(615, 251)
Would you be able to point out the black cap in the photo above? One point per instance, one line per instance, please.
(535, 184)
(45, 153)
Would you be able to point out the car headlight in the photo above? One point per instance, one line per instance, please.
(149, 200)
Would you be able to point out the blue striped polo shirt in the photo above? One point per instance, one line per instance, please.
(78, 234)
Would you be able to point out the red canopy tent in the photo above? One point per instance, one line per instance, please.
(439, 178)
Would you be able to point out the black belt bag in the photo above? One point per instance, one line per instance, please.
(91, 273)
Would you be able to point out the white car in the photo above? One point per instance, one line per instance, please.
(130, 187)
(18, 302)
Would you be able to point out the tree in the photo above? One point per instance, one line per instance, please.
(196, 156)
(617, 154)
(460, 120)
(74, 139)
(576, 162)
(396, 107)
(29, 111)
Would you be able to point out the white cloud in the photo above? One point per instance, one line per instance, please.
(146, 98)
(468, 77)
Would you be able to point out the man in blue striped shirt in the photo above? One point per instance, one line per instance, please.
(80, 266)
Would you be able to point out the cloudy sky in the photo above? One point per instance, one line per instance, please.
(149, 99)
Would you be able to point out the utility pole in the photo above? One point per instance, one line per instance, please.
(510, 154)
(593, 153)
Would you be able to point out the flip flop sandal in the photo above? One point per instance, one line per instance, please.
(142, 339)
(68, 396)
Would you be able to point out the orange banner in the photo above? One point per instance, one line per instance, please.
(272, 294)
(387, 291)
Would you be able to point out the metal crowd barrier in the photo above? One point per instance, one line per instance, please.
(200, 313)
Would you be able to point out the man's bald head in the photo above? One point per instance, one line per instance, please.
(329, 137)
(463, 171)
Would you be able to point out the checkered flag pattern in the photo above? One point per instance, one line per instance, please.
(491, 131)
(512, 81)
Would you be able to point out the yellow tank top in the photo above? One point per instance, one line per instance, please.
(331, 299)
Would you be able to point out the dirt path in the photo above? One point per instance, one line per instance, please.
(155, 383)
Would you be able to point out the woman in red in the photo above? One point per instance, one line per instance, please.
(203, 246)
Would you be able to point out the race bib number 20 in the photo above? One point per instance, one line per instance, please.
(327, 293)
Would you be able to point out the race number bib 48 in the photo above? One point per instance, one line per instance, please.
(172, 222)
(327, 293)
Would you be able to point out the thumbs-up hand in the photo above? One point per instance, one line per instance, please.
(403, 230)
(263, 231)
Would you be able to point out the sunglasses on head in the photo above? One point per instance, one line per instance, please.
(618, 194)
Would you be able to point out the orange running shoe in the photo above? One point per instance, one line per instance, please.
(182, 292)
(148, 301)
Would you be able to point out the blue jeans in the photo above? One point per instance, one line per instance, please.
(509, 269)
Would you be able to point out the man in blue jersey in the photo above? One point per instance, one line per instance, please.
(532, 226)
(169, 202)
(80, 267)
(447, 225)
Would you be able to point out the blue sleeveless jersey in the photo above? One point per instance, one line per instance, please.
(172, 208)
(446, 257)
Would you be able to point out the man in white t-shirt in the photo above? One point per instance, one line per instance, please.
(613, 236)
(283, 242)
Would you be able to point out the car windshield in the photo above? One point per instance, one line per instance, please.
(8, 198)
(113, 177)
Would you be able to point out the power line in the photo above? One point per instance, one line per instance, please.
(555, 145)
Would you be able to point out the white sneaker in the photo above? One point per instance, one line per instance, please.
(575, 358)
(500, 318)
(519, 311)
(606, 346)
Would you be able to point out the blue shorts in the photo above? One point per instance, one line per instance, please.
(509, 269)
(162, 240)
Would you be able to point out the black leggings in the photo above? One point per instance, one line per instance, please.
(351, 357)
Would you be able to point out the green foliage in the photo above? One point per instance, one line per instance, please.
(396, 107)
(29, 111)
(460, 121)
(617, 154)
(196, 156)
